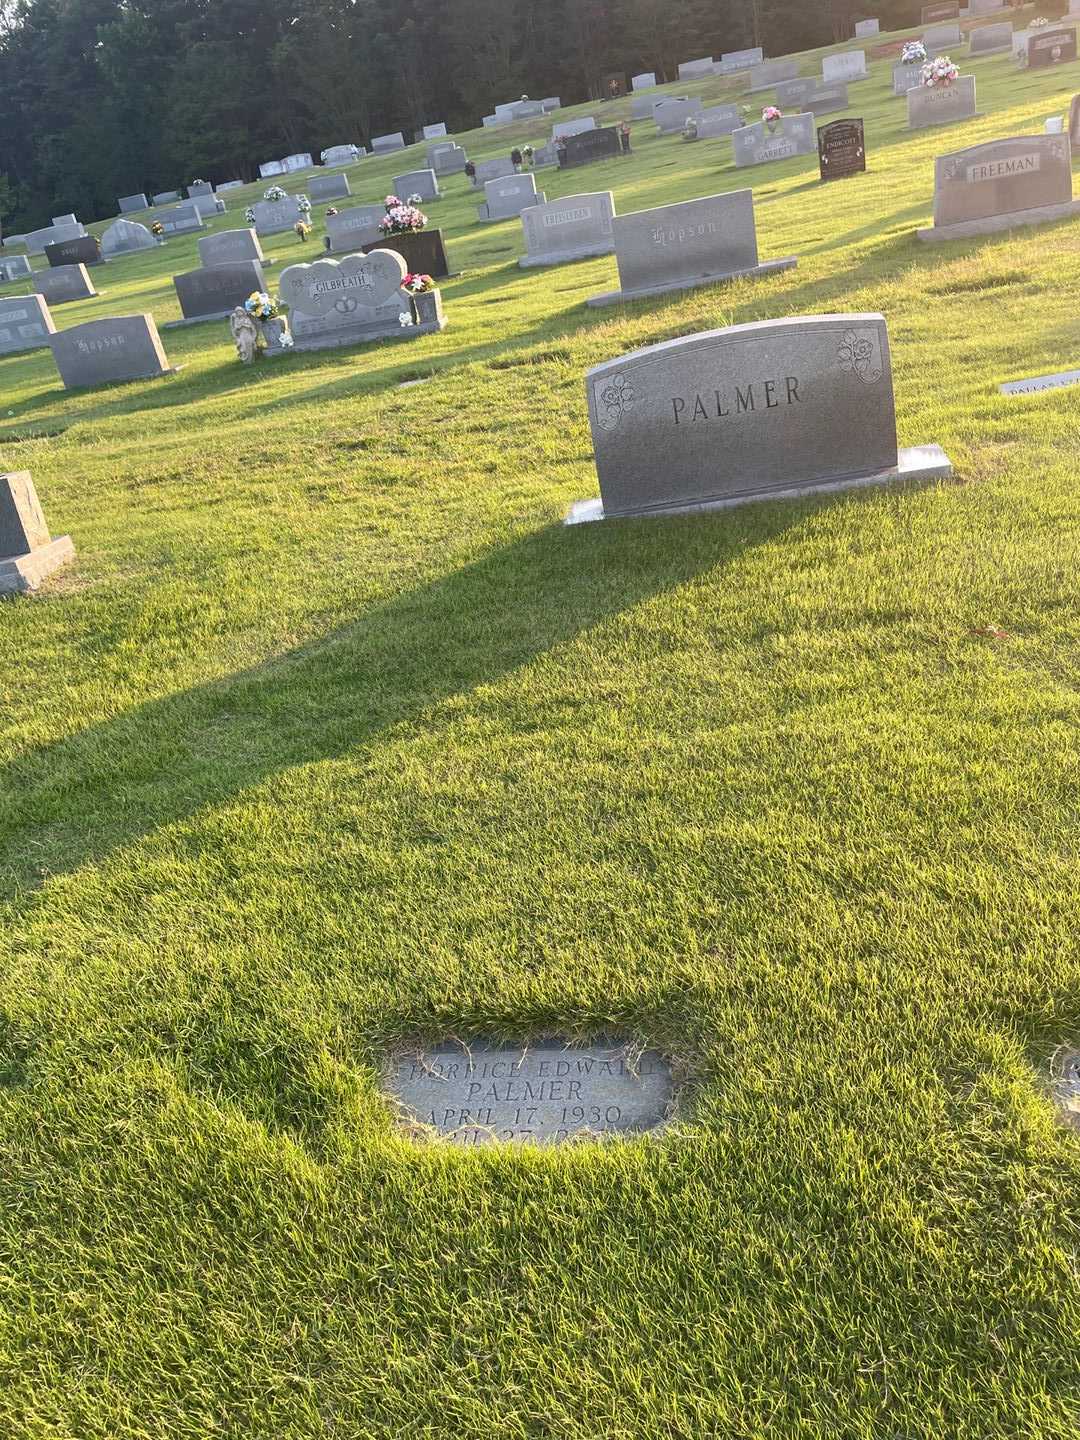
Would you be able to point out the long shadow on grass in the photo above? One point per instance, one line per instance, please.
(79, 800)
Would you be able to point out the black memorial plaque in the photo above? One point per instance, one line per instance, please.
(590, 145)
(841, 149)
(1052, 47)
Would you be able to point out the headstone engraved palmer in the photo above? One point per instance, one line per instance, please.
(541, 1094)
(1023, 180)
(841, 149)
(768, 410)
(680, 247)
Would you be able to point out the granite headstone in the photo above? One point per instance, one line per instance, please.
(1023, 180)
(63, 283)
(941, 104)
(573, 227)
(841, 149)
(758, 144)
(28, 553)
(25, 323)
(124, 347)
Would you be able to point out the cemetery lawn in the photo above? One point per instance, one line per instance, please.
(334, 738)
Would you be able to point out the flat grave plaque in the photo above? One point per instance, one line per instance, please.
(1061, 381)
(541, 1094)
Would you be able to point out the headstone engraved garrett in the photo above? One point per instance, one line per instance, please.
(775, 409)
(758, 144)
(841, 149)
(541, 1094)
(1024, 180)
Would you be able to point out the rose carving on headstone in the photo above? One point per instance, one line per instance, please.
(341, 287)
(859, 354)
(613, 399)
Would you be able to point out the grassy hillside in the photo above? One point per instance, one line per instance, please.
(334, 737)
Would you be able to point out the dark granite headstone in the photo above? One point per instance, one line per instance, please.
(422, 250)
(590, 145)
(841, 149)
(943, 10)
(84, 250)
(124, 347)
(1051, 47)
(217, 290)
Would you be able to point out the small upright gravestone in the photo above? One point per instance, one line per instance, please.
(758, 144)
(847, 66)
(590, 145)
(942, 10)
(62, 283)
(941, 104)
(272, 217)
(574, 227)
(491, 170)
(350, 302)
(28, 553)
(200, 187)
(129, 204)
(826, 98)
(179, 219)
(644, 81)
(166, 197)
(841, 149)
(771, 410)
(769, 74)
(228, 247)
(990, 39)
(507, 197)
(681, 247)
(328, 187)
(215, 292)
(417, 182)
(446, 159)
(905, 78)
(434, 132)
(717, 121)
(790, 94)
(940, 38)
(565, 128)
(866, 28)
(103, 352)
(126, 237)
(15, 267)
(25, 324)
(84, 250)
(383, 144)
(1024, 180)
(342, 155)
(353, 229)
(1051, 47)
(671, 115)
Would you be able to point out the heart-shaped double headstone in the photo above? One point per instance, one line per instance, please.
(342, 286)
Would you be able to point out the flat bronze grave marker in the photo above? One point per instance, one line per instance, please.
(541, 1094)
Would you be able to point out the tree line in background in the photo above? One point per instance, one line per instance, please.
(102, 98)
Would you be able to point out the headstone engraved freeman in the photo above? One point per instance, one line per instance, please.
(847, 66)
(328, 187)
(589, 146)
(84, 250)
(125, 237)
(129, 204)
(943, 10)
(25, 324)
(417, 182)
(573, 227)
(770, 410)
(229, 246)
(841, 149)
(62, 283)
(990, 39)
(353, 229)
(758, 144)
(102, 352)
(544, 1093)
(506, 198)
(350, 302)
(1051, 47)
(28, 553)
(1024, 180)
(214, 293)
(15, 267)
(941, 104)
(683, 246)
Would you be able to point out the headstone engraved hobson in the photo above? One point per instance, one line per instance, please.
(683, 246)
(990, 39)
(62, 283)
(15, 267)
(847, 66)
(543, 1093)
(129, 204)
(941, 104)
(940, 38)
(83, 250)
(826, 98)
(591, 145)
(758, 144)
(768, 75)
(762, 411)
(103, 352)
(350, 301)
(228, 247)
(328, 187)
(1051, 47)
(215, 292)
(417, 182)
(355, 228)
(28, 553)
(573, 227)
(127, 237)
(25, 324)
(1024, 180)
(841, 149)
(565, 128)
(943, 10)
(506, 198)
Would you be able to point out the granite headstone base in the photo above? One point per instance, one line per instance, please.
(994, 224)
(28, 554)
(764, 267)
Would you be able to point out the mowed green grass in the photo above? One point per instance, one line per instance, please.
(334, 738)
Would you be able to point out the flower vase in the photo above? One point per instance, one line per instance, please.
(427, 308)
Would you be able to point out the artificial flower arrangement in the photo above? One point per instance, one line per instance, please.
(940, 72)
(1038, 22)
(401, 218)
(914, 53)
(417, 284)
(157, 228)
(772, 116)
(303, 204)
(275, 193)
(415, 200)
(528, 152)
(261, 306)
(303, 230)
(198, 182)
(331, 210)
(689, 129)
(249, 214)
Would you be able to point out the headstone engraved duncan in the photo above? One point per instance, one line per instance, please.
(769, 410)
(536, 1095)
